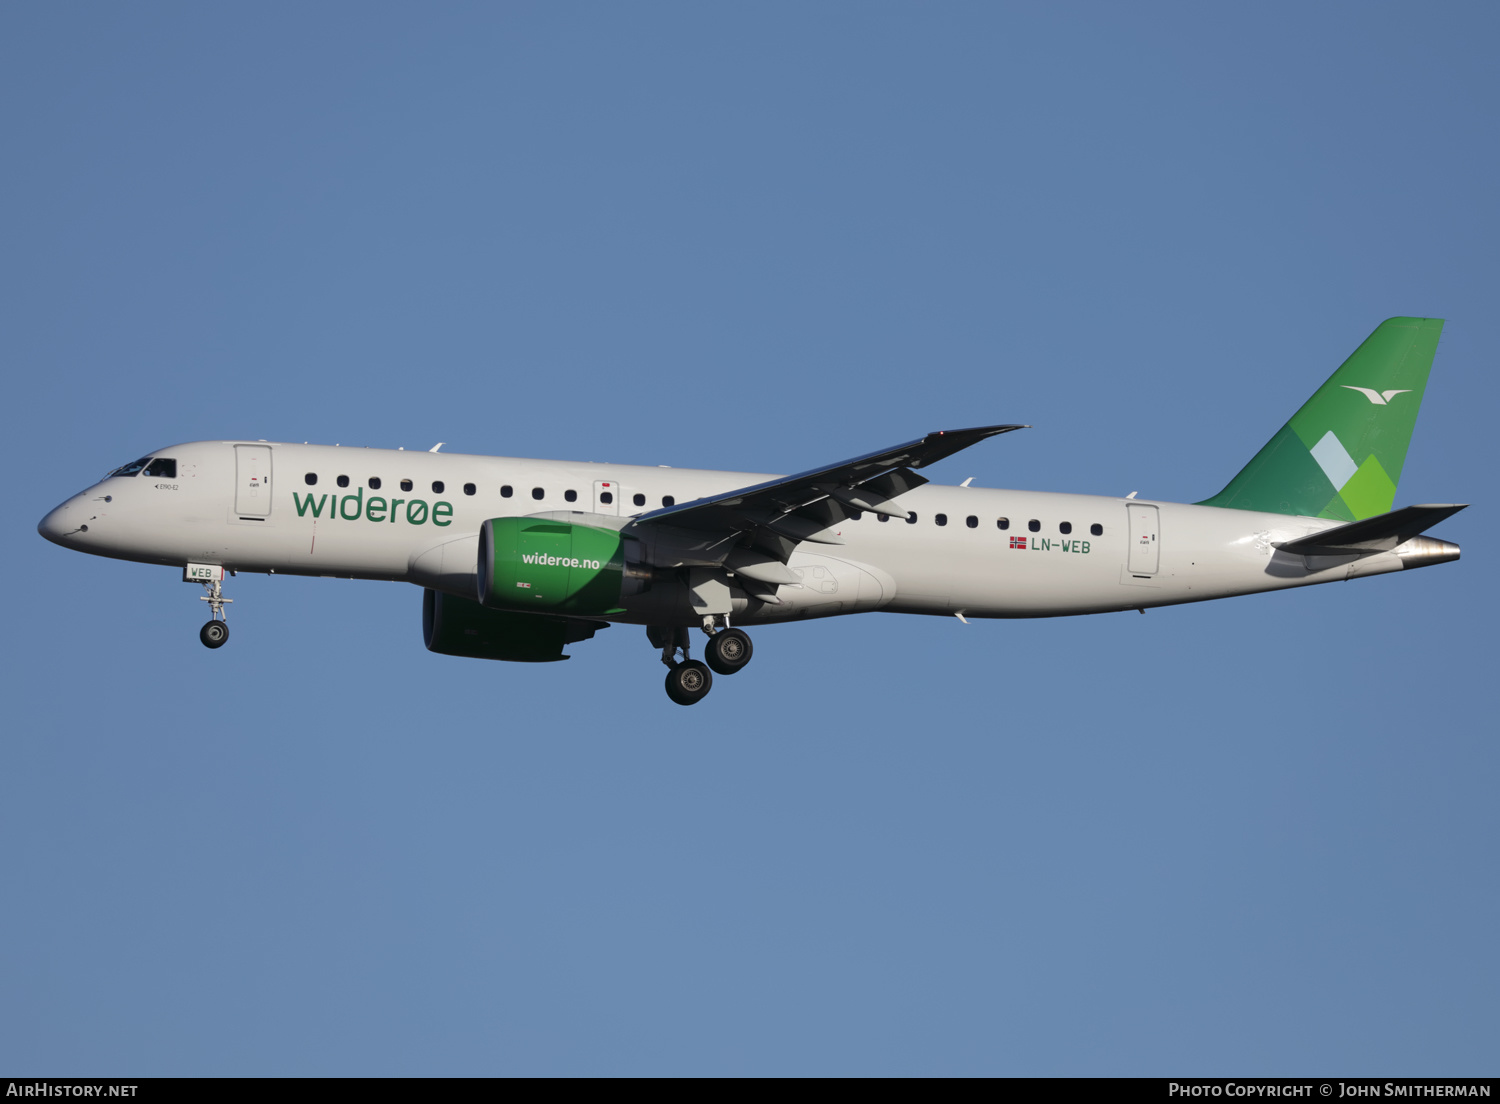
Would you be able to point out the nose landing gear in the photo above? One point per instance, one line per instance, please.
(215, 633)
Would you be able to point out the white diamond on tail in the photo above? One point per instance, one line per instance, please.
(1335, 460)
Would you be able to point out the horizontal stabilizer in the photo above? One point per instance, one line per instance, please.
(1375, 534)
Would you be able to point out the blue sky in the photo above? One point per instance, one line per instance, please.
(1254, 836)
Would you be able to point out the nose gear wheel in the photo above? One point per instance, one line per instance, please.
(215, 634)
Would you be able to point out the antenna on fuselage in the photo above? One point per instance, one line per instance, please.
(437, 446)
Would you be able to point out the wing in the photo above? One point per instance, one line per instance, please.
(780, 513)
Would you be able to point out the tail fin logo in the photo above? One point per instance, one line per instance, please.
(1379, 398)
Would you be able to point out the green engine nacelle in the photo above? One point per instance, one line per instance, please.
(550, 566)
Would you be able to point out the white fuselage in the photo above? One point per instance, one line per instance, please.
(249, 506)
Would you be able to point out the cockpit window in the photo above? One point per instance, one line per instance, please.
(130, 469)
(163, 468)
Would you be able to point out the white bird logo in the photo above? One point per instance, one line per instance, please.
(1379, 398)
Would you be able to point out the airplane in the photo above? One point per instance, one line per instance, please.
(519, 559)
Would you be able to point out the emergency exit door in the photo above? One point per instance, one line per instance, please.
(1145, 547)
(606, 496)
(252, 490)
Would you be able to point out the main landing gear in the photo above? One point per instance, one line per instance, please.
(215, 632)
(688, 680)
(728, 651)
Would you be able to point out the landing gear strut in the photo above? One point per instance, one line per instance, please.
(688, 681)
(215, 633)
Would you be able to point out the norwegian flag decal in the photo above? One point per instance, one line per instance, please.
(1018, 542)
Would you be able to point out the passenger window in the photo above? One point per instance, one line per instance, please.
(1096, 529)
(606, 497)
(342, 481)
(639, 500)
(911, 518)
(972, 522)
(1002, 523)
(406, 484)
(507, 490)
(537, 493)
(884, 517)
(855, 515)
(570, 496)
(1034, 525)
(437, 486)
(469, 488)
(941, 519)
(130, 469)
(310, 479)
(1065, 527)
(163, 469)
(668, 500)
(374, 482)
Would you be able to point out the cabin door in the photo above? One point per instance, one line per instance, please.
(252, 490)
(1145, 548)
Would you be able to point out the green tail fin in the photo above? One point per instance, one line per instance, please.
(1341, 455)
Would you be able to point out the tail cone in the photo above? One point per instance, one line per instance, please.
(1425, 551)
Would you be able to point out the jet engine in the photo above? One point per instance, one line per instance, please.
(460, 627)
(548, 566)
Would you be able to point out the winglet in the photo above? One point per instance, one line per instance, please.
(941, 443)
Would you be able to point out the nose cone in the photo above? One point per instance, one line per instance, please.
(63, 525)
